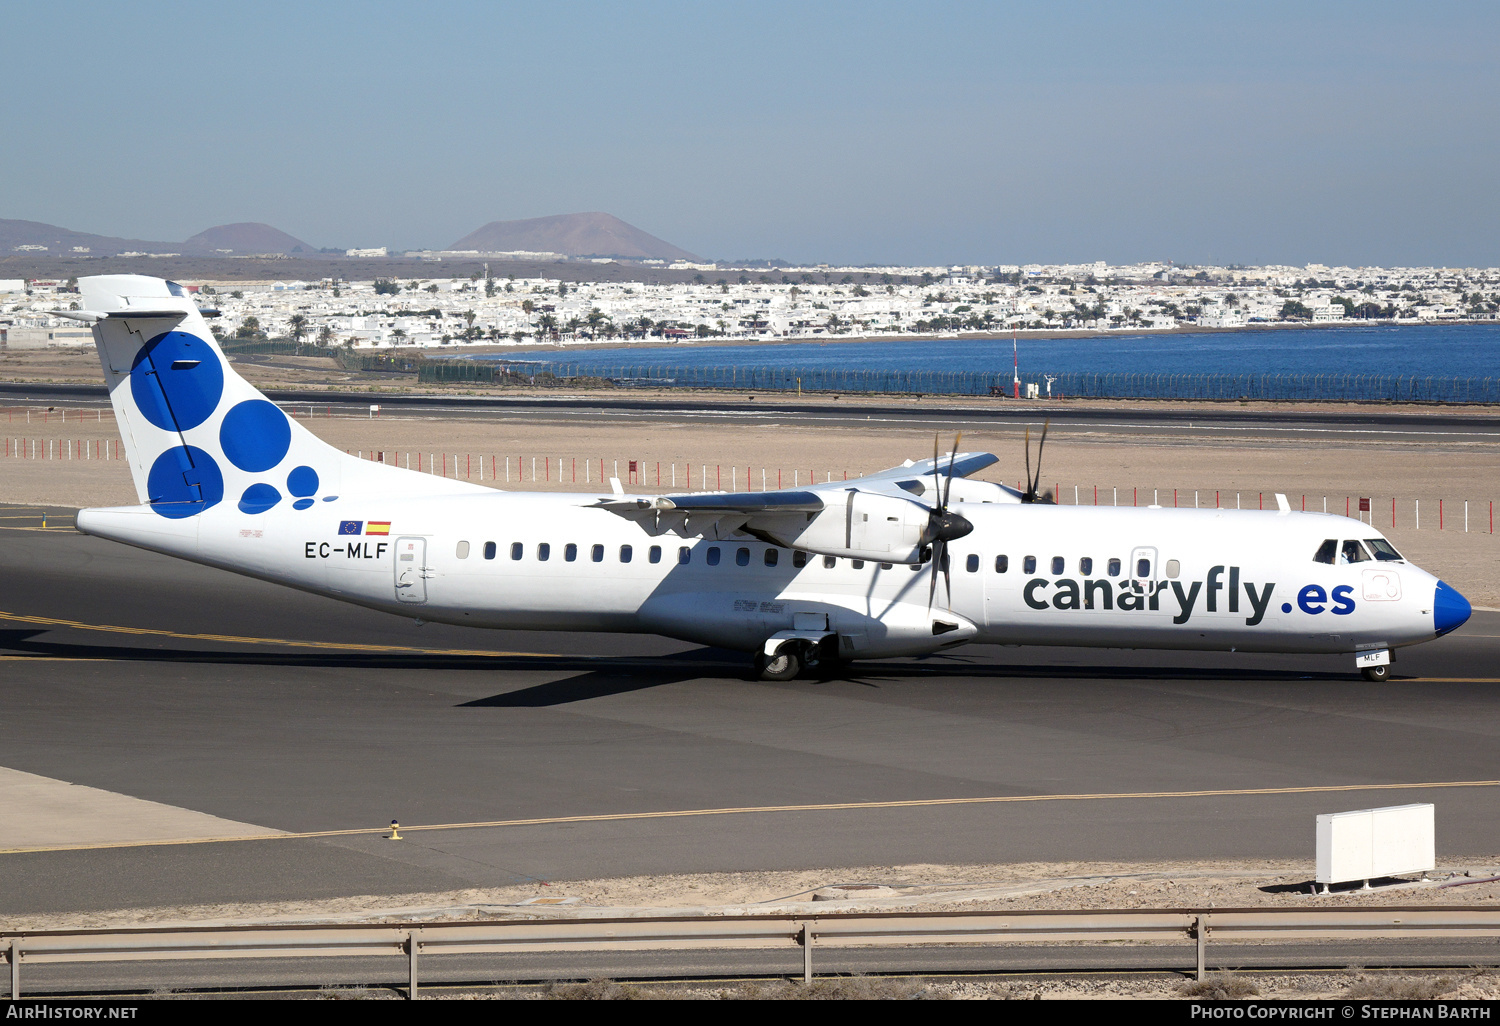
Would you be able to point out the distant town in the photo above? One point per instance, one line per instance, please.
(736, 304)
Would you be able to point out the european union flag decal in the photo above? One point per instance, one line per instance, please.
(350, 526)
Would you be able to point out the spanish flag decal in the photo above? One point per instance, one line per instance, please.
(378, 527)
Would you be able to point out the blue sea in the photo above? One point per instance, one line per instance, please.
(1446, 350)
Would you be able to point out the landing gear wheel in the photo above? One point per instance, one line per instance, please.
(784, 665)
(1377, 674)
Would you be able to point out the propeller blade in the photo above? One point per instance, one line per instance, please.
(948, 486)
(1039, 447)
(937, 549)
(1030, 489)
(937, 485)
(1033, 481)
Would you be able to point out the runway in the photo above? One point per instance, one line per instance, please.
(514, 756)
(1342, 422)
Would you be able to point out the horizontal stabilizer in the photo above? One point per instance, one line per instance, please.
(95, 316)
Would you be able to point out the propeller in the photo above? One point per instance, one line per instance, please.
(943, 525)
(1030, 495)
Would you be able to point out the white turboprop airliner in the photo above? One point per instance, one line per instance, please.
(908, 561)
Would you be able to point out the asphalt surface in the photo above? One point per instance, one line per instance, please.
(309, 739)
(1373, 422)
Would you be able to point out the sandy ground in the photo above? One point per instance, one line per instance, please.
(1014, 887)
(1350, 985)
(1124, 468)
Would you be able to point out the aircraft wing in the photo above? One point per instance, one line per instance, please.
(914, 478)
(910, 480)
(788, 501)
(964, 464)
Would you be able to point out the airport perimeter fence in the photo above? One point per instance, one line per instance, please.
(1277, 387)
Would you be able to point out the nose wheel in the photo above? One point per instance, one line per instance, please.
(1376, 674)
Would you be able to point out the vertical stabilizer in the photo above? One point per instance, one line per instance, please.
(197, 435)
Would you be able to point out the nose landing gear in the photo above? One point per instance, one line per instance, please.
(1375, 664)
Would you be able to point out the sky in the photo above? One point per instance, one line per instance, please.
(864, 133)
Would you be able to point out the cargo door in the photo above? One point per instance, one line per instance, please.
(411, 570)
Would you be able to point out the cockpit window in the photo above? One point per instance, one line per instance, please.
(1383, 549)
(1327, 552)
(1353, 552)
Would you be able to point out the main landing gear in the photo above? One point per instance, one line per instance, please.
(799, 658)
(784, 665)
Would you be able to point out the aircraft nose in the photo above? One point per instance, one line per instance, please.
(1450, 610)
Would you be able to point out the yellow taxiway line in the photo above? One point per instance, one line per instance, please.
(915, 803)
(337, 646)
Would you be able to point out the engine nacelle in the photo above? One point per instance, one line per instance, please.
(880, 528)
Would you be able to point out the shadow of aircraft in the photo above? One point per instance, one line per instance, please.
(597, 676)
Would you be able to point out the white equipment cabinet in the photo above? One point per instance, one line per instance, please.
(1372, 843)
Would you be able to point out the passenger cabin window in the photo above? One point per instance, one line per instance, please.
(1354, 552)
(655, 554)
(1028, 565)
(463, 550)
(772, 556)
(1058, 565)
(799, 559)
(597, 553)
(489, 550)
(1002, 564)
(625, 553)
(829, 562)
(1114, 568)
(858, 564)
(1086, 566)
(1143, 568)
(972, 563)
(543, 552)
(684, 555)
(887, 566)
(1382, 549)
(1173, 568)
(742, 557)
(516, 548)
(1327, 552)
(570, 552)
(713, 555)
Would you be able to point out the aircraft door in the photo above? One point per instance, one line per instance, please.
(411, 570)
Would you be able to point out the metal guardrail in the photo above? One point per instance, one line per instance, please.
(838, 930)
